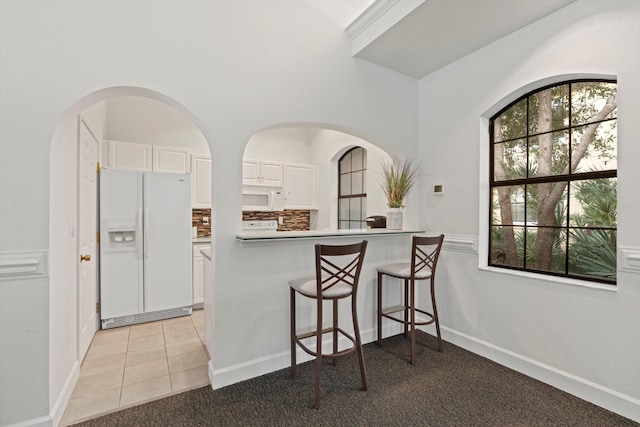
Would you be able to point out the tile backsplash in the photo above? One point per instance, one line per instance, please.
(197, 220)
(292, 220)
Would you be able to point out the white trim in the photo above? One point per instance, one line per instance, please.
(34, 422)
(263, 365)
(629, 259)
(597, 394)
(460, 243)
(376, 20)
(23, 265)
(57, 411)
(549, 278)
(374, 12)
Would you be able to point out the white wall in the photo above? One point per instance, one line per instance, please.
(147, 121)
(289, 144)
(580, 338)
(232, 68)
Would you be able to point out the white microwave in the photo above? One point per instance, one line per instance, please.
(262, 200)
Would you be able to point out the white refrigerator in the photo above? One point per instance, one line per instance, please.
(145, 246)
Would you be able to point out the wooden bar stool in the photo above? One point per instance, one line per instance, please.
(337, 274)
(424, 258)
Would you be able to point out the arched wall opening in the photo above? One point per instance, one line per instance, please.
(320, 145)
(131, 114)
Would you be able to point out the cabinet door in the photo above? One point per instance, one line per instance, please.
(201, 182)
(171, 159)
(271, 173)
(198, 274)
(130, 156)
(300, 184)
(250, 172)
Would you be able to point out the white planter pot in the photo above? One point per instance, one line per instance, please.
(394, 219)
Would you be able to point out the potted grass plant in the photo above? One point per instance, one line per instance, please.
(398, 177)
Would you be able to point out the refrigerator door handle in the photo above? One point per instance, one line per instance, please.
(139, 242)
(146, 233)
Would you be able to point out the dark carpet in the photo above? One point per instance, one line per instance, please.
(453, 388)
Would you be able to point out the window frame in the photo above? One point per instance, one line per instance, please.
(361, 196)
(570, 178)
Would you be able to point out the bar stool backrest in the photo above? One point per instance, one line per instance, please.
(338, 269)
(424, 254)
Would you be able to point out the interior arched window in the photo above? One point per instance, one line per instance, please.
(352, 192)
(553, 178)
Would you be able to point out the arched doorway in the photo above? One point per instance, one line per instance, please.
(133, 114)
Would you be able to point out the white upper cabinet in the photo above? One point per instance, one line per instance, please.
(300, 186)
(171, 159)
(130, 156)
(262, 172)
(200, 181)
(147, 157)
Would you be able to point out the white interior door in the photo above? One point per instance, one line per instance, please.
(87, 213)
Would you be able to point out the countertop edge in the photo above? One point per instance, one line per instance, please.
(257, 238)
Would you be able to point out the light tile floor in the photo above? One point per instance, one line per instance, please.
(132, 365)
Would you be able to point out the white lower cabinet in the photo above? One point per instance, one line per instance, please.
(198, 273)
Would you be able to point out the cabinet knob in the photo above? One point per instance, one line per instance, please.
(85, 258)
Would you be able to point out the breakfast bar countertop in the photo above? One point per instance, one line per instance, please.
(270, 236)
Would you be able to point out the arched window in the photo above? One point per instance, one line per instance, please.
(553, 177)
(352, 191)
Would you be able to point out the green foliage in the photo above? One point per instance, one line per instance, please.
(592, 250)
(599, 199)
(397, 180)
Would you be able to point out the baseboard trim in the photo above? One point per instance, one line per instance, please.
(220, 378)
(597, 394)
(57, 411)
(34, 422)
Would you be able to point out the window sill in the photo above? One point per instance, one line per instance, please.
(554, 279)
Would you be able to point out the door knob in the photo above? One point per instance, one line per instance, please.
(85, 258)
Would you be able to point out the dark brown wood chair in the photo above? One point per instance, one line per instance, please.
(337, 274)
(424, 258)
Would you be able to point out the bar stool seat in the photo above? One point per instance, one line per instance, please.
(337, 274)
(307, 287)
(402, 270)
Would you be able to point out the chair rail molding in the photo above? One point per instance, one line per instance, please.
(23, 265)
(630, 259)
(460, 243)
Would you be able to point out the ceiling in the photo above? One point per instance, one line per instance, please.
(435, 33)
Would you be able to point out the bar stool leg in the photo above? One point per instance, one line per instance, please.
(379, 308)
(294, 365)
(356, 331)
(318, 355)
(335, 331)
(413, 323)
(435, 315)
(406, 306)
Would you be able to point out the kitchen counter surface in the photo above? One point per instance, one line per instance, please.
(270, 236)
(203, 239)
